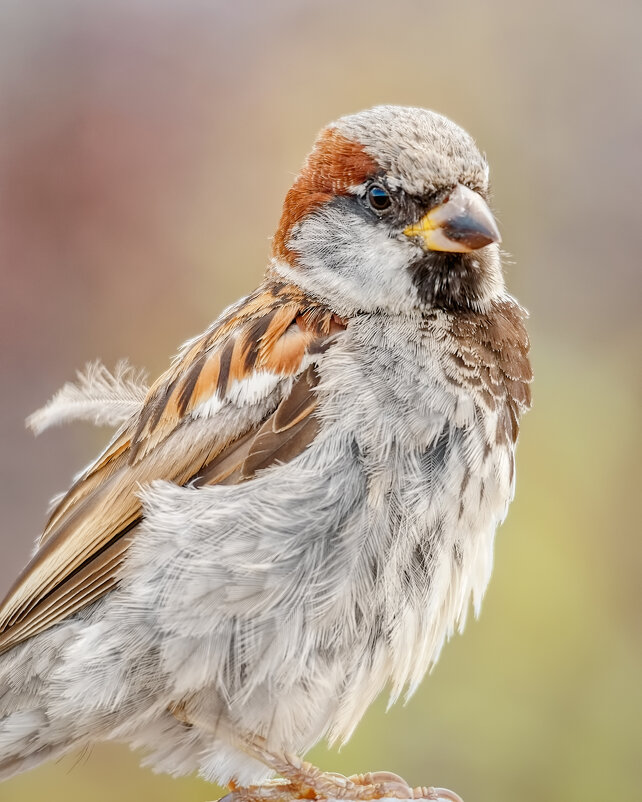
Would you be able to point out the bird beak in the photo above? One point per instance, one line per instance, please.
(462, 223)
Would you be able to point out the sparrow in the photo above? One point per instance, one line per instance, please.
(299, 512)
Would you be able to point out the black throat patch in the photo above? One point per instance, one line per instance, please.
(448, 280)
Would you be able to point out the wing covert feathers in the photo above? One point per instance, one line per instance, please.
(286, 433)
(251, 351)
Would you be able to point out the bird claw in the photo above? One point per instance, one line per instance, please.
(302, 780)
(311, 783)
(390, 785)
(439, 794)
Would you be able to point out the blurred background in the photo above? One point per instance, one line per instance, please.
(137, 141)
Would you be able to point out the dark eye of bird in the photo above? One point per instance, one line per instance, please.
(379, 198)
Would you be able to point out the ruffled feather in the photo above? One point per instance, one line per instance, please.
(98, 396)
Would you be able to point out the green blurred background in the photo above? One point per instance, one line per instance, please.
(145, 148)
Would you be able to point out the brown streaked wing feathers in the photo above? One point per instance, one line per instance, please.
(284, 435)
(80, 589)
(89, 531)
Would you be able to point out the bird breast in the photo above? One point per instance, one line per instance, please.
(439, 480)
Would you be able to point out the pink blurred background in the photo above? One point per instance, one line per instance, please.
(145, 149)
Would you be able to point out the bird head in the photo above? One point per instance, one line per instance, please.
(390, 212)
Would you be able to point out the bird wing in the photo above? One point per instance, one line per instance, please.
(236, 399)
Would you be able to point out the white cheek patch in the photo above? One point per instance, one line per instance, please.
(351, 264)
(241, 392)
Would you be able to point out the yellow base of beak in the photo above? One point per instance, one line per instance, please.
(461, 224)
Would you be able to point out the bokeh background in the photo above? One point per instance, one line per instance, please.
(145, 148)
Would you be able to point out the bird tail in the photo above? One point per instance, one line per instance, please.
(25, 741)
(29, 734)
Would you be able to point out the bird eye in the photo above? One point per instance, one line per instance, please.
(378, 198)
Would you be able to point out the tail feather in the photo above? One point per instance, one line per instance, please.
(27, 739)
(29, 732)
(65, 688)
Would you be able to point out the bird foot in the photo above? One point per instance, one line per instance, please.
(379, 784)
(302, 780)
(305, 781)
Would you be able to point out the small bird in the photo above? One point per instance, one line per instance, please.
(297, 513)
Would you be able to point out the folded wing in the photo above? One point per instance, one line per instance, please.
(237, 399)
